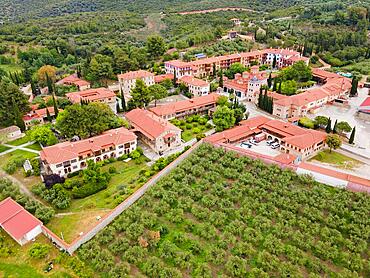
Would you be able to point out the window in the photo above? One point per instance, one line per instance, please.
(120, 147)
(74, 167)
(59, 165)
(73, 160)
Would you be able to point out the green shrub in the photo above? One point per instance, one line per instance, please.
(10, 167)
(112, 170)
(74, 174)
(135, 154)
(35, 163)
(200, 136)
(306, 122)
(208, 125)
(188, 126)
(122, 157)
(71, 183)
(88, 189)
(189, 119)
(39, 251)
(202, 121)
(196, 130)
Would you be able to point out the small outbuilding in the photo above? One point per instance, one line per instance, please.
(21, 225)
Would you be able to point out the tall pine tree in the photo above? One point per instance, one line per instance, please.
(269, 81)
(328, 126)
(335, 127)
(352, 137)
(354, 86)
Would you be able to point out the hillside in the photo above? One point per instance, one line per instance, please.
(26, 9)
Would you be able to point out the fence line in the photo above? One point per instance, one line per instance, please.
(108, 218)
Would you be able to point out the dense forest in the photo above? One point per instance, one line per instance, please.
(21, 10)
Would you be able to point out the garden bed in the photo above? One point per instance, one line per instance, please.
(193, 127)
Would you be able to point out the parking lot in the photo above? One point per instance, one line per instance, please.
(348, 114)
(261, 148)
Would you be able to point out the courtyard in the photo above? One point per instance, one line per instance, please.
(261, 148)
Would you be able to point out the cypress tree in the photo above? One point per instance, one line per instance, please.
(260, 99)
(49, 84)
(33, 88)
(174, 81)
(279, 89)
(123, 101)
(274, 87)
(18, 120)
(328, 126)
(271, 105)
(221, 79)
(269, 81)
(265, 102)
(274, 62)
(353, 91)
(48, 114)
(335, 127)
(55, 106)
(214, 70)
(352, 137)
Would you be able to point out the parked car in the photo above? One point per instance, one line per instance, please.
(246, 144)
(275, 145)
(253, 142)
(269, 142)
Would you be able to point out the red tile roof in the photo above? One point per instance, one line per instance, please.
(39, 113)
(15, 220)
(148, 123)
(185, 105)
(71, 150)
(135, 75)
(292, 134)
(189, 80)
(90, 95)
(160, 78)
(285, 158)
(73, 79)
(365, 106)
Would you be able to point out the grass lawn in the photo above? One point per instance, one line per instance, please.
(19, 141)
(336, 159)
(81, 215)
(3, 148)
(20, 265)
(35, 146)
(11, 68)
(5, 158)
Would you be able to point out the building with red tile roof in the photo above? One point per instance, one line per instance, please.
(197, 87)
(103, 95)
(364, 109)
(183, 108)
(162, 77)
(73, 79)
(246, 86)
(38, 116)
(69, 157)
(293, 140)
(334, 88)
(127, 81)
(159, 134)
(21, 225)
(204, 67)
